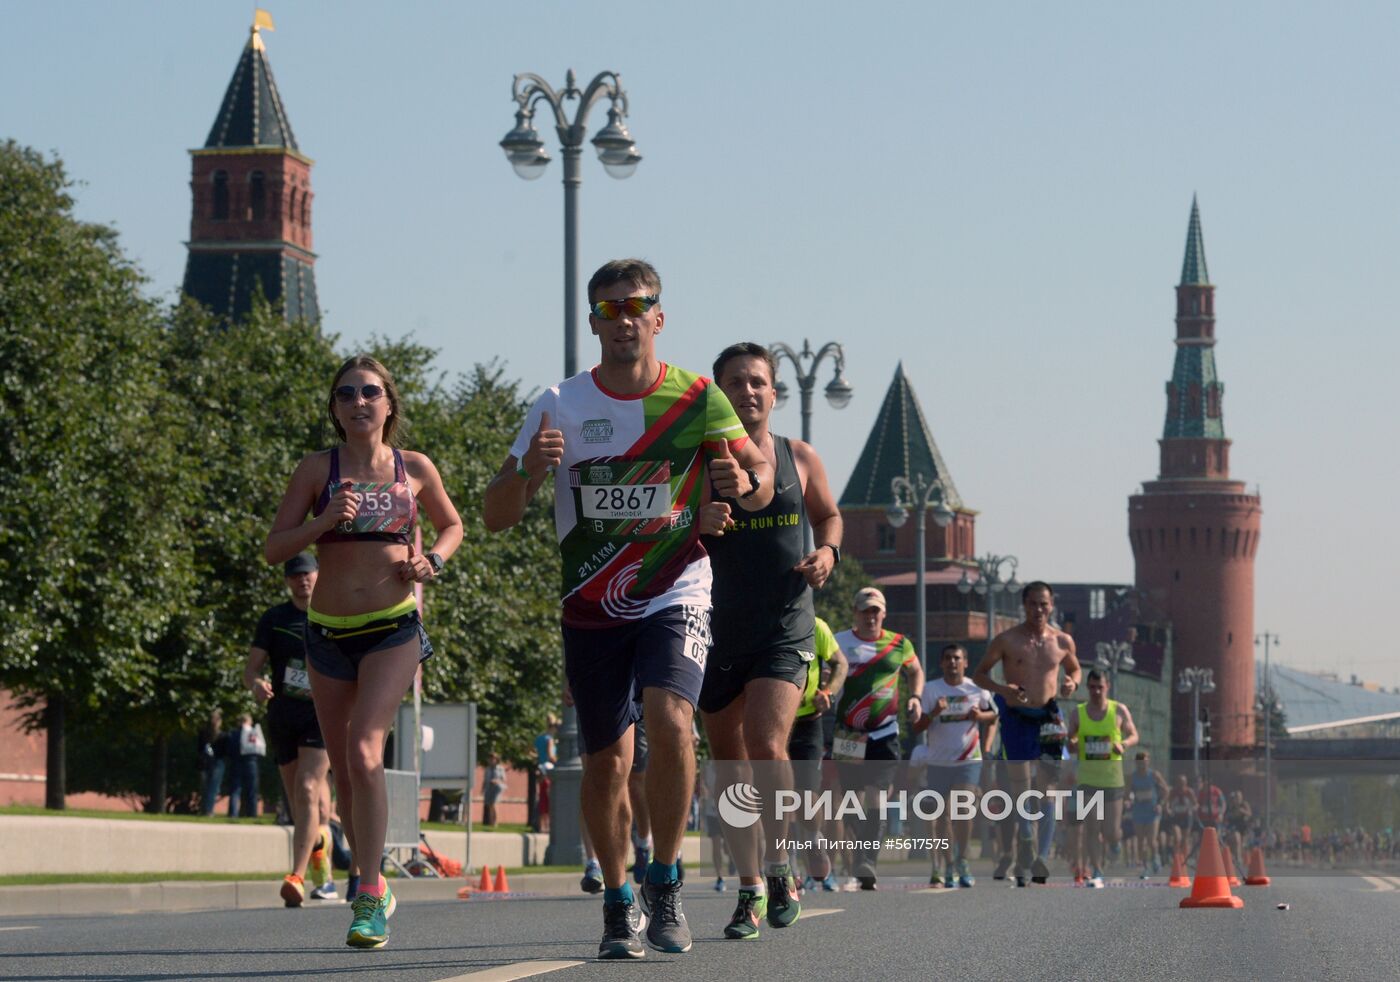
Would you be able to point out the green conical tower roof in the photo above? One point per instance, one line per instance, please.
(900, 445)
(1193, 266)
(252, 114)
(1195, 392)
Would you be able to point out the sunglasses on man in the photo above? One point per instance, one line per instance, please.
(611, 310)
(347, 393)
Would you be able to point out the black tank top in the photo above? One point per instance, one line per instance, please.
(759, 601)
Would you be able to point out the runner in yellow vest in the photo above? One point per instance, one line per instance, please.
(1100, 732)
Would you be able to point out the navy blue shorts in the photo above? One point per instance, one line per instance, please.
(609, 667)
(1031, 733)
(337, 652)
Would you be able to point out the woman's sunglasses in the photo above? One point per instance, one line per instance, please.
(347, 393)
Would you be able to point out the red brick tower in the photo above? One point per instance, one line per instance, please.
(251, 220)
(1194, 531)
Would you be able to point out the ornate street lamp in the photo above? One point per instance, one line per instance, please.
(918, 494)
(527, 155)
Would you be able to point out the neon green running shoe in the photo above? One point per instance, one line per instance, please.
(743, 926)
(370, 927)
(783, 905)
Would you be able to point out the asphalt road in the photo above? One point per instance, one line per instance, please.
(1336, 928)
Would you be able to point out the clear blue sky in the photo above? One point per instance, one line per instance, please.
(997, 196)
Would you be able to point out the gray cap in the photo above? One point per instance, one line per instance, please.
(302, 562)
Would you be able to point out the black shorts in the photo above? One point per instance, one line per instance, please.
(291, 725)
(1110, 795)
(805, 749)
(337, 653)
(727, 674)
(641, 750)
(609, 667)
(877, 770)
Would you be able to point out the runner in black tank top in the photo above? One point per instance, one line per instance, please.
(762, 624)
(753, 564)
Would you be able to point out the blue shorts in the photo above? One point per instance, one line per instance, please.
(1028, 733)
(944, 777)
(609, 667)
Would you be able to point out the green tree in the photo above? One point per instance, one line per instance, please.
(833, 601)
(90, 559)
(251, 398)
(493, 615)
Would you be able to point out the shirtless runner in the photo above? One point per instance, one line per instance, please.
(1032, 727)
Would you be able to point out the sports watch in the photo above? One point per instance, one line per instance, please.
(435, 561)
(753, 483)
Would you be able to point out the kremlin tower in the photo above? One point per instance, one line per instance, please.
(1194, 531)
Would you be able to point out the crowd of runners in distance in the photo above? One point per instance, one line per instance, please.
(690, 538)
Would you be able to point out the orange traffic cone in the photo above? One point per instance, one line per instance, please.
(1229, 862)
(1211, 887)
(502, 885)
(485, 885)
(1178, 877)
(1255, 875)
(464, 893)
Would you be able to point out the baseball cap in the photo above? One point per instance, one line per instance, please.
(302, 562)
(870, 597)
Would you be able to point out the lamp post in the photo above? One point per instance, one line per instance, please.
(1111, 656)
(989, 583)
(838, 390)
(1196, 681)
(918, 494)
(525, 151)
(1266, 639)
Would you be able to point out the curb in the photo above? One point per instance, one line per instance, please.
(88, 899)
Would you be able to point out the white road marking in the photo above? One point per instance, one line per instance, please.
(935, 890)
(22, 927)
(1393, 881)
(1383, 885)
(508, 973)
(819, 911)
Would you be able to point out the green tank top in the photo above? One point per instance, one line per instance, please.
(825, 643)
(1100, 766)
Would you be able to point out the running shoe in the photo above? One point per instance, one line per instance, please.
(326, 891)
(639, 868)
(370, 926)
(809, 884)
(667, 929)
(1019, 876)
(743, 926)
(1039, 871)
(935, 881)
(622, 931)
(1078, 876)
(964, 877)
(783, 907)
(829, 884)
(719, 885)
(867, 883)
(1096, 879)
(318, 870)
(1003, 865)
(950, 879)
(592, 881)
(293, 890)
